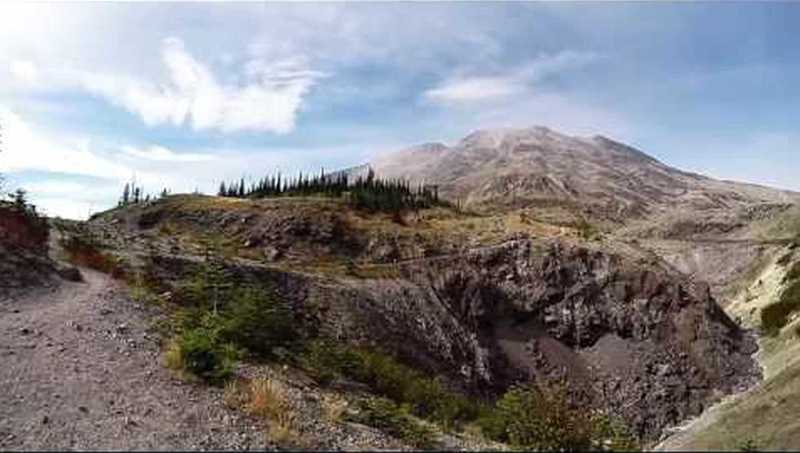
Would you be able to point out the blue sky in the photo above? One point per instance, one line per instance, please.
(184, 95)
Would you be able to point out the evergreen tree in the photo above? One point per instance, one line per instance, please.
(126, 195)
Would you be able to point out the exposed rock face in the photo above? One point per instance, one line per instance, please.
(23, 252)
(19, 230)
(651, 345)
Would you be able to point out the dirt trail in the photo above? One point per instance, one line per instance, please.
(80, 370)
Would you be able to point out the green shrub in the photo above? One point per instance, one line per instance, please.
(586, 230)
(395, 420)
(204, 355)
(776, 315)
(528, 418)
(325, 362)
(213, 331)
(610, 433)
(748, 444)
(256, 320)
(426, 396)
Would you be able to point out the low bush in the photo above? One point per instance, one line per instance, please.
(201, 352)
(426, 396)
(251, 320)
(530, 418)
(586, 230)
(395, 420)
(259, 322)
(610, 433)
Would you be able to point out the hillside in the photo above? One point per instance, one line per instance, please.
(482, 301)
(621, 286)
(24, 247)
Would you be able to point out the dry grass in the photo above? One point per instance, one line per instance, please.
(333, 408)
(268, 398)
(173, 356)
(173, 359)
(235, 395)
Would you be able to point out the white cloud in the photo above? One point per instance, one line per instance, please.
(266, 96)
(159, 153)
(27, 149)
(465, 89)
(475, 89)
(25, 71)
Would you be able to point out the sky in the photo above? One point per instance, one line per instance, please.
(183, 96)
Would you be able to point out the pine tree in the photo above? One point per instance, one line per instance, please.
(216, 278)
(223, 191)
(126, 195)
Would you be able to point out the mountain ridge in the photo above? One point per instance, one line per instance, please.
(489, 166)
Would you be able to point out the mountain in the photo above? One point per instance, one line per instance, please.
(523, 167)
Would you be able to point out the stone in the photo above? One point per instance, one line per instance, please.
(272, 253)
(70, 273)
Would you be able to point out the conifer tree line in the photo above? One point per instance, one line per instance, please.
(365, 192)
(133, 194)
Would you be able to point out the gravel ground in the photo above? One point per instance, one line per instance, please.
(80, 370)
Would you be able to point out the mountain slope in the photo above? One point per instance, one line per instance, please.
(519, 167)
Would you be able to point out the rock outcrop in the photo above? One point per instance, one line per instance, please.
(647, 344)
(23, 251)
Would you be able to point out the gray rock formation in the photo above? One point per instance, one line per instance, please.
(638, 339)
